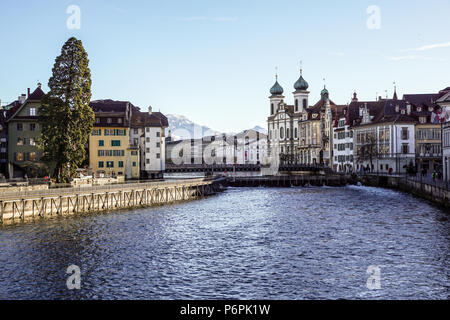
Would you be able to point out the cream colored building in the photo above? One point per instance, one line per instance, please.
(300, 134)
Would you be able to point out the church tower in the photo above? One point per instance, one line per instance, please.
(301, 94)
(276, 96)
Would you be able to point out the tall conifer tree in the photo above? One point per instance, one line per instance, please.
(65, 117)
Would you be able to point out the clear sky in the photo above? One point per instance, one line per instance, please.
(214, 61)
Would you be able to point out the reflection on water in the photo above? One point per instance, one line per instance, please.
(260, 243)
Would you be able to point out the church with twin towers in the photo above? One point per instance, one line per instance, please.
(300, 133)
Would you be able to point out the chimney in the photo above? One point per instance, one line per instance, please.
(355, 97)
(149, 109)
(22, 98)
(39, 85)
(28, 91)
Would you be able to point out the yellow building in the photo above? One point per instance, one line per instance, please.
(428, 147)
(428, 131)
(110, 152)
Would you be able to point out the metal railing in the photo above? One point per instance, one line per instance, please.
(440, 183)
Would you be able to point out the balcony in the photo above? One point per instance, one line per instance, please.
(428, 155)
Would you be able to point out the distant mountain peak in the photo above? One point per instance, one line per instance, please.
(181, 128)
(260, 129)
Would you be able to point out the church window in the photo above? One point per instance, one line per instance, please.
(296, 104)
(271, 108)
(304, 104)
(281, 133)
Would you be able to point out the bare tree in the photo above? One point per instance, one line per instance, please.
(368, 150)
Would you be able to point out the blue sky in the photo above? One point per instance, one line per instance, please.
(214, 61)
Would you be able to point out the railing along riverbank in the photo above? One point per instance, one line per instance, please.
(429, 189)
(37, 203)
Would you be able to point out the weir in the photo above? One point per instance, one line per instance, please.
(59, 202)
(290, 180)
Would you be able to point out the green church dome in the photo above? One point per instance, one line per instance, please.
(276, 89)
(301, 84)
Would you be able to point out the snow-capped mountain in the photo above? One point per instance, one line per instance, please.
(259, 129)
(182, 128)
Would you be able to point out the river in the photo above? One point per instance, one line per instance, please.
(245, 243)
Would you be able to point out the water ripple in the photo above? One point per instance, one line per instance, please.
(261, 243)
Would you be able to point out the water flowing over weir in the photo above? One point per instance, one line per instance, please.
(244, 243)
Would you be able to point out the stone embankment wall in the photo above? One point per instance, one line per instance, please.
(437, 193)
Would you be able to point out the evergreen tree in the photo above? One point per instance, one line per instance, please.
(65, 117)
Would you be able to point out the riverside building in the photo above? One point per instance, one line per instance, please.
(299, 133)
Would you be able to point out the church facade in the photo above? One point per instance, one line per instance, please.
(300, 133)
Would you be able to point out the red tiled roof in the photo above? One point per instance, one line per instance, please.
(37, 94)
(320, 104)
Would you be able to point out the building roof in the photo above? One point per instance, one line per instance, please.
(131, 112)
(108, 105)
(15, 106)
(146, 119)
(444, 95)
(338, 112)
(422, 99)
(320, 105)
(354, 108)
(37, 94)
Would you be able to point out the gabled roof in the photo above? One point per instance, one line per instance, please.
(318, 108)
(338, 112)
(16, 106)
(444, 97)
(319, 105)
(12, 108)
(446, 90)
(37, 94)
(374, 107)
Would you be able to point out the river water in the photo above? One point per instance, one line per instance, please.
(246, 243)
